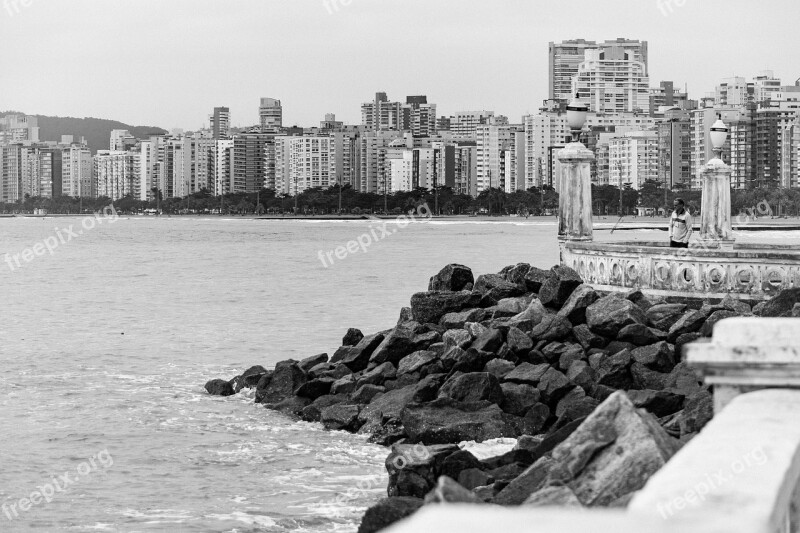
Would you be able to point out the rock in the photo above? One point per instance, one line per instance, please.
(660, 403)
(292, 406)
(664, 316)
(535, 419)
(637, 297)
(736, 305)
(716, 316)
(535, 278)
(471, 360)
(640, 335)
(659, 356)
(386, 406)
(697, 411)
(519, 398)
(613, 453)
(781, 304)
(458, 320)
(433, 305)
(453, 277)
(587, 338)
(552, 328)
(529, 482)
(448, 491)
(553, 386)
(310, 362)
(401, 341)
(219, 387)
(344, 385)
(352, 337)
(581, 374)
(571, 354)
(365, 393)
(473, 387)
(517, 273)
(518, 342)
(427, 389)
(386, 512)
(389, 433)
(475, 329)
(514, 306)
(313, 411)
(378, 375)
(445, 420)
(472, 478)
(759, 307)
(415, 361)
(315, 388)
(456, 337)
(559, 496)
(356, 358)
(688, 323)
(499, 367)
(489, 341)
(286, 378)
(602, 392)
(645, 378)
(335, 371)
(527, 373)
(341, 416)
(608, 315)
(682, 341)
(558, 287)
(249, 378)
(796, 310)
(571, 397)
(613, 371)
(497, 287)
(574, 309)
(414, 469)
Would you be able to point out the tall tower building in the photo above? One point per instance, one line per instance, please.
(220, 122)
(613, 81)
(270, 113)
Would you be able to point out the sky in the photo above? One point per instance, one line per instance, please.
(167, 63)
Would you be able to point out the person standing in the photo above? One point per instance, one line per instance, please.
(680, 225)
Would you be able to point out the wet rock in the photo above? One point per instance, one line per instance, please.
(640, 335)
(219, 387)
(286, 378)
(659, 356)
(574, 309)
(341, 416)
(313, 411)
(292, 406)
(414, 469)
(386, 512)
(497, 287)
(519, 398)
(660, 403)
(386, 406)
(473, 387)
(527, 373)
(552, 328)
(613, 453)
(356, 358)
(428, 388)
(688, 323)
(448, 491)
(433, 305)
(445, 420)
(389, 433)
(352, 337)
(608, 315)
(310, 362)
(558, 287)
(715, 317)
(664, 316)
(457, 462)
(344, 385)
(315, 388)
(249, 378)
(456, 337)
(453, 277)
(365, 393)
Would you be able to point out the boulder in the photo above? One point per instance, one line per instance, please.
(553, 386)
(310, 362)
(313, 411)
(527, 373)
(415, 361)
(341, 416)
(386, 406)
(471, 360)
(497, 287)
(365, 393)
(401, 341)
(587, 338)
(499, 367)
(688, 323)
(456, 337)
(660, 403)
(664, 316)
(352, 337)
(608, 315)
(574, 309)
(378, 375)
(640, 335)
(796, 310)
(448, 491)
(527, 483)
(645, 378)
(386, 512)
(356, 358)
(414, 469)
(489, 341)
(457, 462)
(530, 317)
(716, 316)
(292, 406)
(429, 307)
(286, 378)
(518, 398)
(459, 319)
(535, 278)
(581, 374)
(445, 420)
(473, 478)
(552, 328)
(572, 353)
(613, 371)
(613, 453)
(697, 411)
(453, 277)
(781, 304)
(344, 385)
(473, 387)
(518, 341)
(427, 389)
(315, 388)
(219, 387)
(517, 273)
(513, 306)
(558, 287)
(249, 378)
(659, 356)
(682, 341)
(553, 496)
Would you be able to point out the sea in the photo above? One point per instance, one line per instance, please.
(110, 327)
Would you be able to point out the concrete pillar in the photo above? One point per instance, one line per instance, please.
(748, 354)
(715, 218)
(575, 193)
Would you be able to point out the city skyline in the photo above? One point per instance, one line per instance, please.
(173, 83)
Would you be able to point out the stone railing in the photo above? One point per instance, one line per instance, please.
(740, 474)
(753, 273)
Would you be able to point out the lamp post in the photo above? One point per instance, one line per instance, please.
(574, 180)
(715, 218)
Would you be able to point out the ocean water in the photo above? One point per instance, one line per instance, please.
(106, 343)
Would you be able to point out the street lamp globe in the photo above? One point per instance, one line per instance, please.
(718, 135)
(576, 117)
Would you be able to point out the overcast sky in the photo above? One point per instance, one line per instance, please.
(169, 62)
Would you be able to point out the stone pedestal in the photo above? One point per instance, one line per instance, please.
(715, 218)
(575, 193)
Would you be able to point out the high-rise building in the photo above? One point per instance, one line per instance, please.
(220, 121)
(567, 56)
(419, 116)
(121, 140)
(464, 123)
(253, 161)
(221, 167)
(611, 80)
(370, 156)
(310, 161)
(381, 114)
(19, 128)
(116, 174)
(674, 149)
(633, 159)
(270, 113)
(666, 96)
(77, 172)
(492, 143)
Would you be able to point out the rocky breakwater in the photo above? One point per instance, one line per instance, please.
(591, 385)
